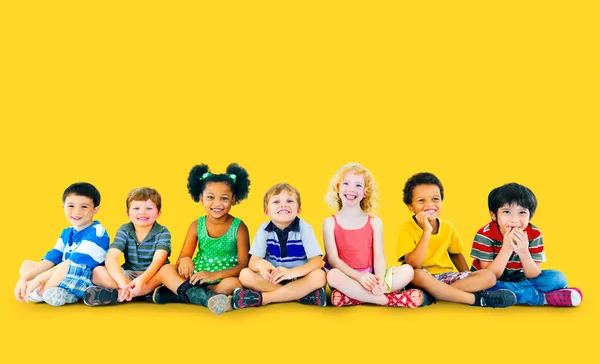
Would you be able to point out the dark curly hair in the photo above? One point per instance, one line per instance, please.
(423, 178)
(512, 193)
(197, 181)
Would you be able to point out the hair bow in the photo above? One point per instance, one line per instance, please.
(233, 177)
(206, 174)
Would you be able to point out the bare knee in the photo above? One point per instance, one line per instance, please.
(405, 270)
(247, 276)
(317, 278)
(227, 285)
(488, 276)
(166, 270)
(98, 275)
(26, 266)
(334, 277)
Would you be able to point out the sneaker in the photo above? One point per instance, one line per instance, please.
(243, 298)
(164, 295)
(35, 297)
(57, 296)
(219, 303)
(496, 299)
(566, 297)
(316, 297)
(100, 296)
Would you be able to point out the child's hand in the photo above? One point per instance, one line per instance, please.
(266, 271)
(186, 267)
(31, 286)
(135, 288)
(423, 221)
(520, 243)
(507, 241)
(280, 273)
(20, 289)
(367, 280)
(379, 288)
(124, 295)
(204, 277)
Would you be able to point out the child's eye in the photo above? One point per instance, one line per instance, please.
(84, 207)
(506, 212)
(136, 208)
(224, 198)
(436, 199)
(275, 202)
(523, 212)
(290, 201)
(209, 197)
(420, 200)
(345, 183)
(358, 185)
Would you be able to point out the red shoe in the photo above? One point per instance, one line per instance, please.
(344, 300)
(403, 298)
(566, 297)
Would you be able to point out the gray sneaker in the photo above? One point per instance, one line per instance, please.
(57, 296)
(100, 296)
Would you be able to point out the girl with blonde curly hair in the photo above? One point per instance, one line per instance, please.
(353, 238)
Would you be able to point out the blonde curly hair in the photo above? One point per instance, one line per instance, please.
(368, 204)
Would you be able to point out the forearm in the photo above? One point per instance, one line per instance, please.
(256, 263)
(530, 268)
(38, 269)
(152, 270)
(312, 264)
(336, 262)
(417, 256)
(499, 263)
(114, 270)
(379, 267)
(459, 262)
(45, 276)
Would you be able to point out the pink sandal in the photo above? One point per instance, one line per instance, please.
(344, 300)
(403, 298)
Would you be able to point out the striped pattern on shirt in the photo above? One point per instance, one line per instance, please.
(487, 244)
(138, 256)
(86, 247)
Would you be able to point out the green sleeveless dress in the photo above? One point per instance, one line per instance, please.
(215, 254)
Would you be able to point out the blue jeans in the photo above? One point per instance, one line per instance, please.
(531, 291)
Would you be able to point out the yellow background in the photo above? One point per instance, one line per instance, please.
(124, 95)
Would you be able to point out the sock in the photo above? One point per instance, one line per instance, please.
(34, 296)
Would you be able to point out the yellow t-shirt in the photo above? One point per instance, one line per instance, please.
(445, 241)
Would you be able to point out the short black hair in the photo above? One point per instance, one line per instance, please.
(423, 178)
(83, 189)
(512, 193)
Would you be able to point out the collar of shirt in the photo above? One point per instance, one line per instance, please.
(130, 228)
(282, 235)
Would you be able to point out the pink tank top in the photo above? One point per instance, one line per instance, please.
(355, 247)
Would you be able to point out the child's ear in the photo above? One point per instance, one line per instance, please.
(96, 209)
(266, 212)
(493, 216)
(158, 215)
(410, 208)
(531, 217)
(233, 200)
(299, 210)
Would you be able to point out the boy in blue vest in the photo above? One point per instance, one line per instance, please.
(65, 271)
(286, 258)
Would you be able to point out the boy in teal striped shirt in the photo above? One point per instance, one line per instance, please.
(146, 245)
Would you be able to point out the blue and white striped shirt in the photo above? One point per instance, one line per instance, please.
(87, 246)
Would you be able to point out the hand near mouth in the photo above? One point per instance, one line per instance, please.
(423, 221)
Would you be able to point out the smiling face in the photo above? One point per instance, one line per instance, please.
(80, 211)
(511, 216)
(143, 213)
(426, 198)
(282, 209)
(352, 189)
(217, 199)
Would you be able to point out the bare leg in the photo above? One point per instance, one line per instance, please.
(169, 276)
(477, 281)
(226, 286)
(59, 275)
(296, 289)
(351, 288)
(441, 290)
(402, 276)
(101, 277)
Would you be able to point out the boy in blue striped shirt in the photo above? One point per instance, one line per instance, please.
(64, 273)
(286, 258)
(146, 245)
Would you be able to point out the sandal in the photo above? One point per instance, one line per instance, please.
(403, 298)
(344, 300)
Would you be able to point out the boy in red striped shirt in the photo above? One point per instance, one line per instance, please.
(513, 248)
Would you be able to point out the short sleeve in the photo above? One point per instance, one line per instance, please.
(120, 240)
(309, 240)
(163, 240)
(456, 244)
(259, 244)
(406, 244)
